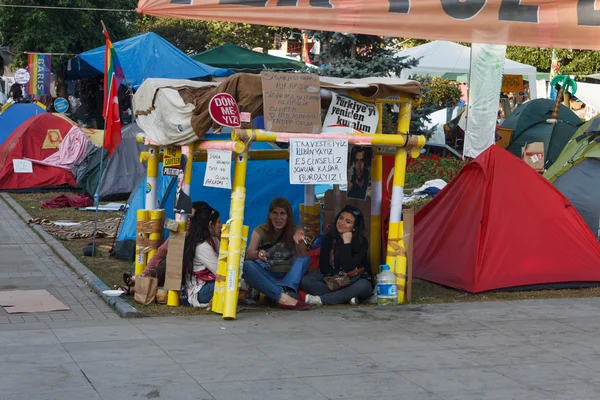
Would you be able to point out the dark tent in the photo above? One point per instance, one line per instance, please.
(576, 173)
(529, 123)
(239, 58)
(124, 169)
(143, 56)
(88, 172)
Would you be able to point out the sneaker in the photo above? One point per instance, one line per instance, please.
(313, 300)
(353, 301)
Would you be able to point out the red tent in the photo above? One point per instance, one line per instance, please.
(499, 224)
(36, 138)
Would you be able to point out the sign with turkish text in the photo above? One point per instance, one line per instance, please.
(318, 161)
(567, 24)
(218, 169)
(223, 109)
(22, 76)
(351, 114)
(512, 83)
(171, 161)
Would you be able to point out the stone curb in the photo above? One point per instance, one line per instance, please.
(124, 309)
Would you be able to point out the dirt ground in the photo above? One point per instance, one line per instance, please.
(110, 270)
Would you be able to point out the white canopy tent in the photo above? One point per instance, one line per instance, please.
(441, 57)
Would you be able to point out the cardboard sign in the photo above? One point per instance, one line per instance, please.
(512, 83)
(318, 161)
(171, 161)
(291, 102)
(174, 261)
(22, 166)
(354, 115)
(218, 169)
(223, 109)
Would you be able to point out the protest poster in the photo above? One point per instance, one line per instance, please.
(318, 161)
(346, 115)
(171, 161)
(291, 102)
(359, 172)
(218, 169)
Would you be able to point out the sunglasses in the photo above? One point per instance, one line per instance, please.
(352, 210)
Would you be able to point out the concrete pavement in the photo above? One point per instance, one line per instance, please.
(534, 350)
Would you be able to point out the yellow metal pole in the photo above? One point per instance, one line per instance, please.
(156, 215)
(140, 256)
(376, 198)
(219, 294)
(396, 250)
(238, 198)
(152, 180)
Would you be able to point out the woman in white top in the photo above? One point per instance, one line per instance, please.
(201, 254)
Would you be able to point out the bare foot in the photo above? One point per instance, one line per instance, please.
(287, 300)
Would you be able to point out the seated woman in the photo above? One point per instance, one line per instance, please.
(201, 255)
(344, 250)
(276, 258)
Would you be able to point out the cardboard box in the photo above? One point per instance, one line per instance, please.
(533, 155)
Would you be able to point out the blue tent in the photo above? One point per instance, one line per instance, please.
(143, 56)
(264, 181)
(14, 115)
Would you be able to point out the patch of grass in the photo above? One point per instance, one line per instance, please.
(110, 270)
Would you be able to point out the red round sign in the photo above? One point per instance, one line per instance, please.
(224, 111)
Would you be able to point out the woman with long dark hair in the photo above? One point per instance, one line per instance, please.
(276, 258)
(201, 254)
(344, 258)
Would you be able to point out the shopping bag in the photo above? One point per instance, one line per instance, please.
(145, 289)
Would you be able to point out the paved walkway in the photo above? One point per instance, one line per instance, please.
(534, 350)
(27, 263)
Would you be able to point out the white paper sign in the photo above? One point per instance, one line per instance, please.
(218, 169)
(318, 161)
(22, 166)
(346, 114)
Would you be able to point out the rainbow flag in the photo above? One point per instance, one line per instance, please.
(113, 76)
(39, 69)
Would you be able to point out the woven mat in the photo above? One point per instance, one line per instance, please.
(85, 229)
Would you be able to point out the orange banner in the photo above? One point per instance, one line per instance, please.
(540, 23)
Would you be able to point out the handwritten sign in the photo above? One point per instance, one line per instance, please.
(171, 161)
(512, 83)
(291, 102)
(218, 169)
(318, 161)
(346, 115)
(223, 109)
(22, 166)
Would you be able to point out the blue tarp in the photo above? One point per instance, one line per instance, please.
(143, 56)
(264, 181)
(14, 115)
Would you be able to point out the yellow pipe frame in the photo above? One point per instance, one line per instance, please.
(219, 293)
(236, 218)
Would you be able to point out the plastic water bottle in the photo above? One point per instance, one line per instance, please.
(183, 298)
(387, 291)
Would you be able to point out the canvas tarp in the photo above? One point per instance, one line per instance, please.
(88, 180)
(239, 58)
(124, 168)
(529, 123)
(440, 57)
(265, 180)
(143, 56)
(176, 112)
(510, 232)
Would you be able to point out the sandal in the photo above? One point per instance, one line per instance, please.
(126, 290)
(128, 279)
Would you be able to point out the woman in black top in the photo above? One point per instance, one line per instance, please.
(344, 250)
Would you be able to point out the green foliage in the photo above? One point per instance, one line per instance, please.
(194, 36)
(571, 62)
(63, 31)
(426, 168)
(442, 93)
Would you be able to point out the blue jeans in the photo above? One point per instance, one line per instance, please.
(206, 292)
(258, 275)
(314, 284)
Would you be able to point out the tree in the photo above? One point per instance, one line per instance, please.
(439, 93)
(194, 36)
(361, 56)
(63, 31)
(571, 62)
